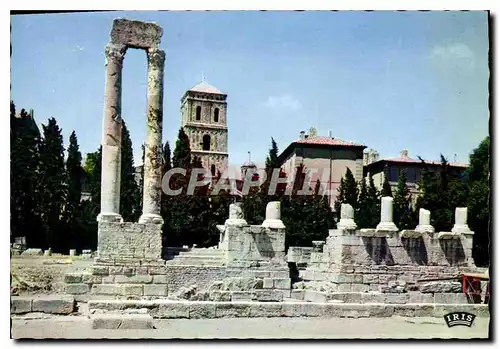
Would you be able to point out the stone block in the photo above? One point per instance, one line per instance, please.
(404, 310)
(105, 289)
(286, 293)
(135, 279)
(141, 270)
(315, 296)
(122, 321)
(293, 309)
(360, 288)
(352, 297)
(268, 296)
(282, 274)
(446, 298)
(77, 288)
(344, 287)
(73, 278)
(156, 270)
(171, 311)
(131, 290)
(396, 298)
(382, 310)
(441, 287)
(423, 310)
(297, 294)
(88, 278)
(265, 310)
(417, 297)
(372, 297)
(100, 270)
(241, 296)
(20, 305)
(159, 279)
(283, 284)
(110, 279)
(315, 309)
(232, 310)
(353, 310)
(370, 278)
(220, 296)
(55, 304)
(155, 290)
(268, 283)
(201, 310)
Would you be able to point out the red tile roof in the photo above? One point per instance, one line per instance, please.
(406, 159)
(324, 140)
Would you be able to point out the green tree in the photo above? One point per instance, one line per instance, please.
(130, 200)
(53, 187)
(402, 204)
(74, 174)
(347, 191)
(373, 204)
(386, 187)
(24, 177)
(478, 201)
(182, 151)
(272, 158)
(167, 161)
(362, 216)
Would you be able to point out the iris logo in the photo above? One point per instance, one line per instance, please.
(459, 319)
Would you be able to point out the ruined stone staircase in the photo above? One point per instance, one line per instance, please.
(206, 257)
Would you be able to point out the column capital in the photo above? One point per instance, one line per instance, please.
(156, 58)
(115, 53)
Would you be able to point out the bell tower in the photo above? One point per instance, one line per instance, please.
(204, 119)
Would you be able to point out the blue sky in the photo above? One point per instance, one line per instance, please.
(389, 80)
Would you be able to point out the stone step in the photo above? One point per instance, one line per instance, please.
(196, 262)
(208, 258)
(118, 321)
(170, 309)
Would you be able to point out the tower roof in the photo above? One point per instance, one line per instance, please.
(205, 87)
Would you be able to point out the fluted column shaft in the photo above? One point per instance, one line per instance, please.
(153, 150)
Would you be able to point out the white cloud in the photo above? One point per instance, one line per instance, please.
(284, 101)
(457, 53)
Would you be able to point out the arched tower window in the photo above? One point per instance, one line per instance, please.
(212, 169)
(216, 115)
(198, 113)
(206, 142)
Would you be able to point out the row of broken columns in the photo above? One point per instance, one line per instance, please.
(387, 224)
(112, 136)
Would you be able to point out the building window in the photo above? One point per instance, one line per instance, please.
(212, 169)
(411, 175)
(393, 174)
(206, 142)
(216, 115)
(198, 113)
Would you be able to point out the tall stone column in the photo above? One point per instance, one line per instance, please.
(112, 135)
(153, 154)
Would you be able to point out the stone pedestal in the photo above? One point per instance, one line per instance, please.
(424, 222)
(386, 223)
(273, 216)
(346, 218)
(461, 225)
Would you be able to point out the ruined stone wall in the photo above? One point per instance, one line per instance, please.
(129, 240)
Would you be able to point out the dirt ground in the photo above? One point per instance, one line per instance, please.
(79, 327)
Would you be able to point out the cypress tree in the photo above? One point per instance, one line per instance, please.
(182, 151)
(130, 201)
(74, 185)
(25, 177)
(362, 216)
(386, 187)
(167, 161)
(402, 204)
(373, 204)
(272, 158)
(53, 187)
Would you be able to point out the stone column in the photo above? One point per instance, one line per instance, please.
(386, 223)
(112, 135)
(424, 221)
(273, 216)
(153, 152)
(346, 218)
(461, 225)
